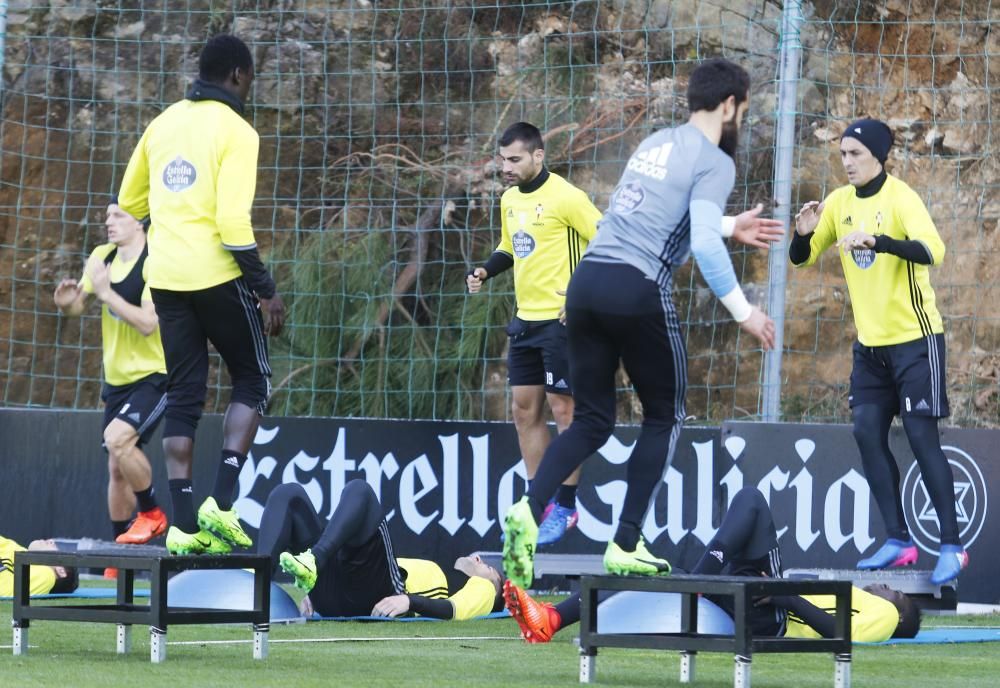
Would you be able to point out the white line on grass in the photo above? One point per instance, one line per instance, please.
(341, 640)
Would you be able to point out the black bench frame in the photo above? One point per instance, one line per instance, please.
(689, 641)
(125, 612)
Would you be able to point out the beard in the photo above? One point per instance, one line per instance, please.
(729, 141)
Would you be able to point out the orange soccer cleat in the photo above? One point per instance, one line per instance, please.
(538, 620)
(146, 526)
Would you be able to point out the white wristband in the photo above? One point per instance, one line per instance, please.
(737, 305)
(728, 226)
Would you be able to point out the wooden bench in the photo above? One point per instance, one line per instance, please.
(689, 641)
(158, 614)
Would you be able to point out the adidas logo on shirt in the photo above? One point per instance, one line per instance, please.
(718, 555)
(652, 162)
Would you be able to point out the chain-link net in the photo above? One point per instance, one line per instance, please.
(378, 186)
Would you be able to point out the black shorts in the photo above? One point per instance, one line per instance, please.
(356, 578)
(227, 315)
(908, 378)
(538, 355)
(140, 404)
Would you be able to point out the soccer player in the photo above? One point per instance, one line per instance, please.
(746, 545)
(545, 225)
(44, 579)
(135, 374)
(194, 173)
(348, 567)
(888, 243)
(667, 205)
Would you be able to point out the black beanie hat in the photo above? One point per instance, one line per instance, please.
(874, 134)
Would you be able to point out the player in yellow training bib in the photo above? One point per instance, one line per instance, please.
(545, 225)
(348, 567)
(887, 244)
(194, 172)
(135, 373)
(746, 544)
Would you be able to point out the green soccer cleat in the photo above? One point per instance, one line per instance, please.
(202, 542)
(225, 524)
(302, 567)
(638, 563)
(519, 545)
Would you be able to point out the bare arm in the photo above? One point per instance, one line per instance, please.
(69, 297)
(142, 318)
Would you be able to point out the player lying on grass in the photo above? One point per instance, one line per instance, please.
(348, 567)
(44, 579)
(746, 545)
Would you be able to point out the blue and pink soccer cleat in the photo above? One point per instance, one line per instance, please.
(892, 553)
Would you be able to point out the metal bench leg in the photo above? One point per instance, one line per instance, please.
(157, 644)
(587, 667)
(260, 632)
(741, 677)
(687, 666)
(20, 640)
(842, 671)
(123, 638)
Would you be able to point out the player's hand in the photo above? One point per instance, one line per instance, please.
(66, 292)
(808, 217)
(753, 230)
(392, 606)
(274, 315)
(856, 240)
(474, 280)
(562, 308)
(100, 277)
(306, 607)
(761, 327)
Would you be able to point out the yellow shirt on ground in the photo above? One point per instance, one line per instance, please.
(129, 356)
(42, 577)
(424, 577)
(873, 618)
(546, 232)
(892, 298)
(194, 172)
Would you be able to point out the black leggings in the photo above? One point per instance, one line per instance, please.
(615, 314)
(871, 432)
(291, 524)
(746, 544)
(354, 560)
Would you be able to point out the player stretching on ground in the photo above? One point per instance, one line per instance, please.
(746, 545)
(135, 374)
(194, 172)
(887, 244)
(545, 224)
(667, 205)
(348, 567)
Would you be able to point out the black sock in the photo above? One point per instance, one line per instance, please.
(146, 499)
(226, 478)
(183, 501)
(627, 536)
(566, 496)
(118, 527)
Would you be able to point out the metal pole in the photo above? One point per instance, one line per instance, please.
(788, 76)
(3, 39)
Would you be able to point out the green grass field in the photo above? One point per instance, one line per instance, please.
(475, 653)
